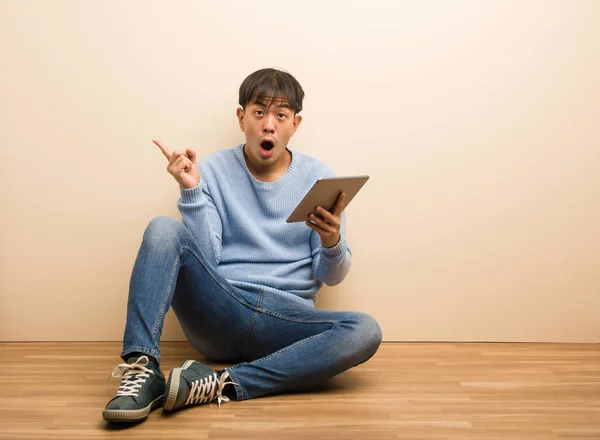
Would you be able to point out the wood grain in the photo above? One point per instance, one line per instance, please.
(430, 391)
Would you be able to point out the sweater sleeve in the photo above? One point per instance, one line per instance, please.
(199, 214)
(331, 265)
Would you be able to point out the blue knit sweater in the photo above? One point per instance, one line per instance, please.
(239, 223)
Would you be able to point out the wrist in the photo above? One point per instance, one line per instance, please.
(331, 243)
(191, 195)
(187, 185)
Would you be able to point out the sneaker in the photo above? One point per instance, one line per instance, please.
(194, 383)
(140, 392)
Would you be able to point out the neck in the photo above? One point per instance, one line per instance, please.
(270, 173)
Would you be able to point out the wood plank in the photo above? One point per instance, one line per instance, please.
(433, 391)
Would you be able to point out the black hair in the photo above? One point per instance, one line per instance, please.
(267, 85)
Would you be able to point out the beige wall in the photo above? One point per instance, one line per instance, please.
(477, 121)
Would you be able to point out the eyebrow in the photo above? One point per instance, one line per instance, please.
(262, 101)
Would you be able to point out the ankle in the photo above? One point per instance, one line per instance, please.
(229, 389)
(152, 362)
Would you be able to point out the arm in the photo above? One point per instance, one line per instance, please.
(332, 257)
(199, 214)
(196, 205)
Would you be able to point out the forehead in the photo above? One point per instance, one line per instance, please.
(270, 100)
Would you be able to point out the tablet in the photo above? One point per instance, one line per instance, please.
(324, 193)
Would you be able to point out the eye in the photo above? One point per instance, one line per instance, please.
(258, 112)
(282, 115)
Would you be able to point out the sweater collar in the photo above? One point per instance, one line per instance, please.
(239, 152)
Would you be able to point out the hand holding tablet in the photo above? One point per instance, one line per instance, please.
(325, 193)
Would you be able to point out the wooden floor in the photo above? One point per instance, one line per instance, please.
(407, 391)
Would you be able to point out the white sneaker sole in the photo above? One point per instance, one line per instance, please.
(174, 378)
(130, 415)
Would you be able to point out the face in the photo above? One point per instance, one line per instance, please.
(268, 126)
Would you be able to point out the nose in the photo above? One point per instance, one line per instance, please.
(268, 123)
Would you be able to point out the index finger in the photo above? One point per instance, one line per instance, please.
(164, 149)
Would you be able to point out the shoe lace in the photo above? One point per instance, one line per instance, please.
(133, 376)
(208, 389)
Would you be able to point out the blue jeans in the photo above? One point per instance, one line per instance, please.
(277, 343)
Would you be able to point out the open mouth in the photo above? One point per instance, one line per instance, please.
(267, 145)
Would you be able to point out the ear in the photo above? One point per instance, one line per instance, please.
(297, 122)
(240, 115)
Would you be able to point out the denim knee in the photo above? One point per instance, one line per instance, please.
(368, 335)
(163, 231)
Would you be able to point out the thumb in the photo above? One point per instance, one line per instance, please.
(339, 207)
(191, 154)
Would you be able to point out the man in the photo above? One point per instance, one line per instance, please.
(241, 280)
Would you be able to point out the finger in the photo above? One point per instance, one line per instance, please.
(314, 227)
(182, 162)
(192, 155)
(339, 206)
(176, 153)
(326, 216)
(320, 223)
(164, 149)
(184, 167)
(322, 233)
